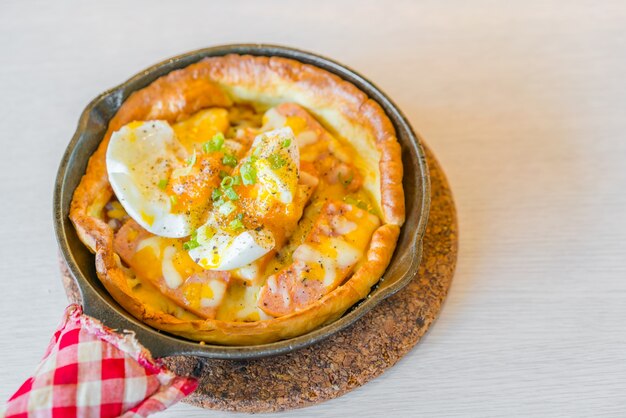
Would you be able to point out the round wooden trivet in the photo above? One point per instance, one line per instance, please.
(351, 357)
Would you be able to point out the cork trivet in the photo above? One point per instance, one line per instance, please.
(351, 357)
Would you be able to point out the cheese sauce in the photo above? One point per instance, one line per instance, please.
(321, 230)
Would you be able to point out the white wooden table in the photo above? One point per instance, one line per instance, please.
(524, 104)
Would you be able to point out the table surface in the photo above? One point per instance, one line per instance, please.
(524, 104)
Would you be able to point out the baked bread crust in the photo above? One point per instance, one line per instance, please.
(218, 81)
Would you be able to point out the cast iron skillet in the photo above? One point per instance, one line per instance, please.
(99, 304)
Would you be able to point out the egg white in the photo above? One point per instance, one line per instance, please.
(220, 249)
(139, 156)
(284, 181)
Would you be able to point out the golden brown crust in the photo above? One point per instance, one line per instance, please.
(216, 81)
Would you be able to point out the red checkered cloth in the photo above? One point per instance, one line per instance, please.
(91, 371)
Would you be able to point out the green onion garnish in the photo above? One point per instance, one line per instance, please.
(216, 194)
(236, 224)
(215, 144)
(347, 180)
(248, 173)
(227, 182)
(356, 202)
(257, 152)
(193, 242)
(286, 142)
(229, 160)
(192, 160)
(230, 193)
(227, 208)
(276, 161)
(163, 184)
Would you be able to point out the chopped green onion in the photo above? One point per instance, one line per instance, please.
(219, 138)
(248, 173)
(227, 208)
(192, 160)
(217, 193)
(215, 144)
(227, 182)
(286, 142)
(276, 161)
(193, 242)
(236, 224)
(257, 152)
(219, 202)
(229, 160)
(356, 202)
(345, 181)
(223, 174)
(163, 184)
(227, 186)
(230, 193)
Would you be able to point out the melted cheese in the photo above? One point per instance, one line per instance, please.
(154, 243)
(326, 260)
(201, 127)
(172, 277)
(240, 304)
(322, 262)
(314, 261)
(331, 256)
(343, 226)
(249, 272)
(213, 298)
(306, 138)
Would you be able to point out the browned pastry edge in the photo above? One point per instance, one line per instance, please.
(216, 81)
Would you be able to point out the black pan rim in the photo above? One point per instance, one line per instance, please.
(161, 344)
